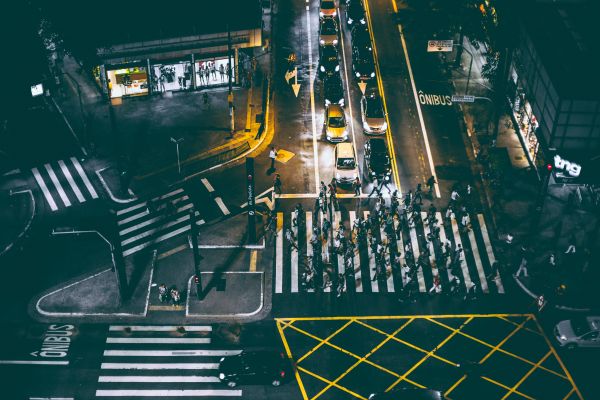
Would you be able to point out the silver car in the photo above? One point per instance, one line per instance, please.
(373, 116)
(578, 332)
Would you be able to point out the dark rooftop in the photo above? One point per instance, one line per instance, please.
(565, 35)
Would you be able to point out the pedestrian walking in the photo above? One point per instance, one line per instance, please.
(418, 194)
(162, 293)
(356, 187)
(277, 184)
(326, 227)
(449, 213)
(571, 249)
(471, 292)
(376, 188)
(457, 254)
(437, 285)
(465, 222)
(272, 156)
(291, 238)
(175, 296)
(430, 185)
(298, 215)
(495, 271)
(552, 260)
(522, 268)
(341, 284)
(454, 196)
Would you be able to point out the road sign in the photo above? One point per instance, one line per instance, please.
(462, 98)
(434, 46)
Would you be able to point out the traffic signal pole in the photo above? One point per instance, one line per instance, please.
(196, 253)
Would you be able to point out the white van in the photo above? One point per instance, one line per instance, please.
(346, 167)
(578, 332)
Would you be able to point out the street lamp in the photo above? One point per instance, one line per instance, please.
(177, 141)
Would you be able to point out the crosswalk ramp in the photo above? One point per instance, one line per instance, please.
(476, 259)
(148, 222)
(64, 183)
(162, 362)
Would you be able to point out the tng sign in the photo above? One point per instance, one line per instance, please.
(573, 170)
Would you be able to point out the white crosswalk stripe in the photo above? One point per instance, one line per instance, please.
(161, 361)
(476, 257)
(148, 222)
(64, 180)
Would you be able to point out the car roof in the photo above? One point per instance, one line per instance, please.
(329, 50)
(377, 145)
(328, 21)
(335, 110)
(345, 148)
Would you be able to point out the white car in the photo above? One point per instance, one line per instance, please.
(578, 332)
(346, 167)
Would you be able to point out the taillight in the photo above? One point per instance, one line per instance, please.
(282, 374)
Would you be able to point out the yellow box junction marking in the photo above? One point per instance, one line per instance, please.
(284, 324)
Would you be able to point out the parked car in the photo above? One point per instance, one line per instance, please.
(333, 90)
(346, 167)
(335, 126)
(361, 36)
(377, 160)
(362, 62)
(328, 8)
(329, 60)
(578, 332)
(328, 32)
(255, 367)
(373, 116)
(355, 12)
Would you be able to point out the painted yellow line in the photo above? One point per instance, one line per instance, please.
(427, 355)
(328, 381)
(166, 308)
(172, 251)
(558, 359)
(515, 324)
(289, 354)
(253, 257)
(388, 132)
(569, 394)
(386, 317)
(506, 387)
(351, 354)
(514, 388)
(326, 340)
(358, 362)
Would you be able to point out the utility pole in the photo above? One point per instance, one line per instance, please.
(177, 141)
(118, 259)
(230, 77)
(197, 258)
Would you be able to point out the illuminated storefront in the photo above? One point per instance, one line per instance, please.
(129, 81)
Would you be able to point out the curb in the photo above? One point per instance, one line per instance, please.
(556, 306)
(107, 189)
(27, 226)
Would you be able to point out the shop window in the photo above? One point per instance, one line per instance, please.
(131, 81)
(213, 72)
(168, 77)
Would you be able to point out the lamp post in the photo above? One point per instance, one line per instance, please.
(177, 141)
(470, 65)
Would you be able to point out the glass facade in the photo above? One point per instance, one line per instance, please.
(128, 81)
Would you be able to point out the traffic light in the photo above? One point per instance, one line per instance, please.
(549, 167)
(196, 279)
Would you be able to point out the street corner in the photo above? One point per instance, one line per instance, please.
(353, 357)
(230, 294)
(17, 212)
(114, 183)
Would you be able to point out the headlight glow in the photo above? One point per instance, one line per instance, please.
(322, 69)
(222, 359)
(372, 74)
(321, 14)
(357, 74)
(334, 13)
(335, 42)
(387, 177)
(384, 126)
(366, 126)
(350, 20)
(221, 376)
(563, 337)
(337, 68)
(321, 41)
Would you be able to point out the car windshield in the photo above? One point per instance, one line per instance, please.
(327, 4)
(580, 326)
(374, 109)
(346, 163)
(337, 122)
(328, 27)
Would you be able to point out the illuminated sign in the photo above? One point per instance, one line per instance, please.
(572, 169)
(37, 90)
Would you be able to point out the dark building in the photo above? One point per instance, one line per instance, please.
(554, 90)
(137, 49)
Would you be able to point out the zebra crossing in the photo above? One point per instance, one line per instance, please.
(476, 259)
(146, 223)
(64, 183)
(162, 361)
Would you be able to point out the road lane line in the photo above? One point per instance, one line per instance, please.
(170, 353)
(157, 366)
(357, 282)
(72, 183)
(222, 206)
(207, 185)
(143, 203)
(309, 250)
(84, 177)
(463, 260)
(311, 86)
(478, 264)
(336, 225)
(279, 255)
(400, 244)
(416, 253)
(253, 258)
(443, 239)
(419, 111)
(151, 220)
(45, 191)
(160, 328)
(388, 132)
(432, 261)
(153, 231)
(129, 340)
(167, 393)
(372, 264)
(32, 362)
(489, 250)
(390, 277)
(161, 379)
(294, 259)
(57, 185)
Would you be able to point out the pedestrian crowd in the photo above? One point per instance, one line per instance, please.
(169, 295)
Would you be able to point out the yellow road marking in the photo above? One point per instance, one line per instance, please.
(408, 344)
(558, 359)
(500, 350)
(357, 363)
(172, 251)
(253, 257)
(515, 324)
(326, 340)
(289, 354)
(569, 394)
(527, 375)
(427, 356)
(385, 317)
(388, 132)
(506, 387)
(328, 381)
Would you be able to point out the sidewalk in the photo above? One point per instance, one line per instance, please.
(513, 203)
